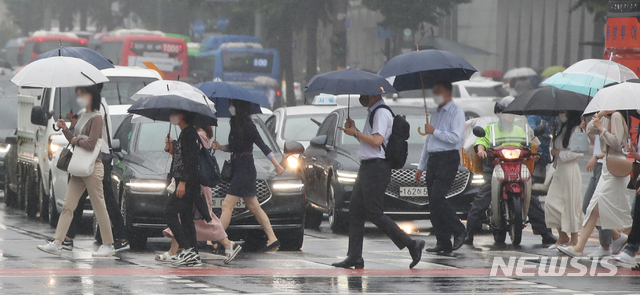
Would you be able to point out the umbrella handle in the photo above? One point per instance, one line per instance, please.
(420, 130)
(55, 128)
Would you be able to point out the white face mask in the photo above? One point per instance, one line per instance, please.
(563, 117)
(438, 99)
(82, 102)
(232, 110)
(174, 119)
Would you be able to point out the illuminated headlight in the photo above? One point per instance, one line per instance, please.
(511, 154)
(53, 148)
(499, 172)
(478, 179)
(347, 177)
(147, 185)
(4, 148)
(288, 186)
(293, 162)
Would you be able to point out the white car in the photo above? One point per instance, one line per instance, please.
(475, 97)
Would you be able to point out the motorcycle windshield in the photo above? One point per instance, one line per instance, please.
(509, 130)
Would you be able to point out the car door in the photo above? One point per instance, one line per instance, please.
(314, 175)
(123, 134)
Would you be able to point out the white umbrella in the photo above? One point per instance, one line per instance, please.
(162, 86)
(59, 71)
(623, 96)
(266, 81)
(603, 68)
(519, 73)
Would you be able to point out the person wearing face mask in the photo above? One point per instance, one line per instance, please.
(242, 136)
(440, 159)
(87, 135)
(563, 206)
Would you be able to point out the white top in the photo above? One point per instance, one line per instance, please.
(596, 147)
(382, 124)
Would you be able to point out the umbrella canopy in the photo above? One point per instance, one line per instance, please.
(439, 43)
(421, 69)
(547, 101)
(162, 86)
(623, 96)
(220, 93)
(602, 68)
(83, 53)
(552, 70)
(349, 81)
(493, 73)
(60, 71)
(519, 73)
(160, 107)
(579, 83)
(266, 81)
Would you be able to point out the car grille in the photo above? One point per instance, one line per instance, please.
(405, 177)
(220, 191)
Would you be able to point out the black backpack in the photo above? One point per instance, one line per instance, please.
(397, 148)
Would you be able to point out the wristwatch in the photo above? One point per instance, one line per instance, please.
(596, 155)
(355, 134)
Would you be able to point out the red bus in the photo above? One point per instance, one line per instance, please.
(168, 54)
(36, 45)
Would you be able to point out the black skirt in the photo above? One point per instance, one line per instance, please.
(243, 177)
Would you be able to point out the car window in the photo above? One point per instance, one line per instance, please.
(151, 135)
(455, 91)
(120, 89)
(123, 134)
(331, 133)
(495, 91)
(301, 128)
(116, 120)
(326, 124)
(271, 125)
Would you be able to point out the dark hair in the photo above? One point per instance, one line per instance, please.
(446, 84)
(240, 120)
(187, 117)
(94, 91)
(573, 120)
(207, 129)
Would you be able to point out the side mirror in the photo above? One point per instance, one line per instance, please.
(39, 116)
(293, 147)
(11, 140)
(115, 145)
(479, 131)
(319, 141)
(539, 130)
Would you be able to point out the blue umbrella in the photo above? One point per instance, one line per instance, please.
(160, 107)
(84, 53)
(349, 81)
(579, 83)
(221, 92)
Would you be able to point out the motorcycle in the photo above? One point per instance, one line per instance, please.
(510, 182)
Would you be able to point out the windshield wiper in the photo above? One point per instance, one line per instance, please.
(315, 121)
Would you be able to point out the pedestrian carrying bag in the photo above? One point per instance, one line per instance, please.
(397, 149)
(617, 166)
(83, 161)
(208, 169)
(225, 174)
(579, 142)
(65, 158)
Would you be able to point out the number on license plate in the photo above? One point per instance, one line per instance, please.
(217, 203)
(413, 191)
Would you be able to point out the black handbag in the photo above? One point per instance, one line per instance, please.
(225, 174)
(64, 159)
(208, 169)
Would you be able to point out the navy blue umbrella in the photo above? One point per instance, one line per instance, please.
(221, 92)
(160, 107)
(84, 53)
(349, 81)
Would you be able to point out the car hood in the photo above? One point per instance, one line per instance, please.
(413, 159)
(154, 164)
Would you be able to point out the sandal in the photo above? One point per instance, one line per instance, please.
(272, 247)
(636, 268)
(218, 248)
(166, 257)
(232, 253)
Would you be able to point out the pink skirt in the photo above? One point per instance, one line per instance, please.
(205, 231)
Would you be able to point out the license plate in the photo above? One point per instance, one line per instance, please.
(413, 191)
(217, 203)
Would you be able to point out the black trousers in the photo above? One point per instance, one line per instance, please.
(367, 202)
(440, 174)
(634, 235)
(179, 213)
(113, 207)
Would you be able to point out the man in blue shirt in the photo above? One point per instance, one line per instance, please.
(441, 158)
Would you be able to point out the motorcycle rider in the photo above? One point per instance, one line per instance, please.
(511, 134)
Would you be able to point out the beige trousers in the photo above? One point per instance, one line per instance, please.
(75, 189)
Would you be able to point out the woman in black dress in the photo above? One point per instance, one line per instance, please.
(242, 136)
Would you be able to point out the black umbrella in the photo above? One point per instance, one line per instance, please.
(547, 101)
(160, 107)
(349, 81)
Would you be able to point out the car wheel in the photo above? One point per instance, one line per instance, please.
(43, 200)
(96, 231)
(291, 240)
(337, 221)
(53, 210)
(31, 193)
(470, 115)
(137, 241)
(10, 197)
(313, 218)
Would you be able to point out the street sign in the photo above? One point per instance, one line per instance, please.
(347, 23)
(198, 27)
(222, 22)
(385, 33)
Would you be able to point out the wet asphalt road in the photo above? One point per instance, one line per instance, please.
(25, 270)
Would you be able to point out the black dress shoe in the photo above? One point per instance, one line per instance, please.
(468, 239)
(459, 240)
(357, 263)
(416, 252)
(549, 239)
(440, 248)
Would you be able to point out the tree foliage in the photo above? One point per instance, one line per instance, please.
(399, 15)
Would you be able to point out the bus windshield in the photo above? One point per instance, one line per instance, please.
(247, 62)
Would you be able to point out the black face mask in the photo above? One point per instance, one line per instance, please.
(364, 100)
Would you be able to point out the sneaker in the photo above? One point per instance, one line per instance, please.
(51, 248)
(121, 245)
(104, 251)
(66, 244)
(601, 252)
(569, 251)
(617, 245)
(187, 258)
(625, 258)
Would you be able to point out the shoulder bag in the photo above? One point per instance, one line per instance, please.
(208, 169)
(617, 166)
(65, 158)
(579, 142)
(83, 161)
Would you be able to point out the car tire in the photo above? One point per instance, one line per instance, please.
(137, 241)
(337, 221)
(470, 115)
(43, 200)
(32, 206)
(96, 231)
(10, 197)
(53, 209)
(313, 218)
(291, 240)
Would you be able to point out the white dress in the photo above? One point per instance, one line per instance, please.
(611, 194)
(563, 206)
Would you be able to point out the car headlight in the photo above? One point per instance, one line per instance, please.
(293, 162)
(139, 185)
(4, 148)
(288, 186)
(478, 180)
(347, 177)
(511, 154)
(53, 148)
